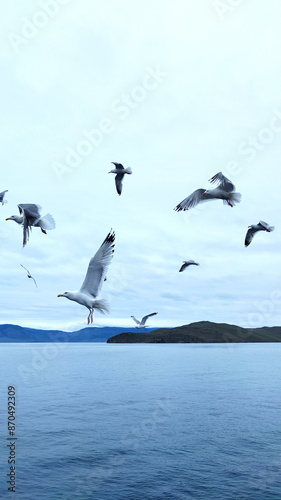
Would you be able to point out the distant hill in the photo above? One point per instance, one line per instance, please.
(15, 333)
(201, 332)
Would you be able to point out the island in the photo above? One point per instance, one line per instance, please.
(200, 332)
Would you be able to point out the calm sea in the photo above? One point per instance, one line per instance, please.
(142, 422)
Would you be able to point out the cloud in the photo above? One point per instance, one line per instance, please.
(217, 92)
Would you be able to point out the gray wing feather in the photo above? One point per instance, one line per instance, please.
(183, 267)
(223, 182)
(30, 213)
(145, 318)
(98, 267)
(249, 235)
(136, 320)
(2, 194)
(266, 226)
(118, 182)
(193, 199)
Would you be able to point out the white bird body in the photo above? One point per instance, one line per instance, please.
(141, 324)
(254, 228)
(120, 171)
(225, 191)
(95, 276)
(30, 217)
(187, 263)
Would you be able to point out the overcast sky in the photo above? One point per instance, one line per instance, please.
(177, 90)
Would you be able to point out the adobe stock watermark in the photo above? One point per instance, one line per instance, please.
(251, 147)
(264, 310)
(223, 7)
(119, 110)
(41, 357)
(30, 27)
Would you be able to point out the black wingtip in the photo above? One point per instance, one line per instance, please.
(110, 238)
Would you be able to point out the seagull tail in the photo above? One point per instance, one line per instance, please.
(233, 198)
(47, 222)
(102, 306)
(128, 170)
(270, 228)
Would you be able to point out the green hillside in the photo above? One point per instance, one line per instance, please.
(201, 332)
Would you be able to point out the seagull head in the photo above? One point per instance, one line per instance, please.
(16, 218)
(68, 295)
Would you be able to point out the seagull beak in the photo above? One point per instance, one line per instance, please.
(205, 192)
(8, 218)
(60, 295)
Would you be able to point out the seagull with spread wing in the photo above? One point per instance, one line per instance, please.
(96, 273)
(2, 196)
(254, 228)
(187, 263)
(141, 324)
(224, 191)
(29, 275)
(30, 217)
(120, 171)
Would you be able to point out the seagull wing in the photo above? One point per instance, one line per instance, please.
(250, 234)
(193, 199)
(136, 320)
(145, 318)
(266, 226)
(2, 194)
(183, 267)
(30, 213)
(34, 281)
(98, 267)
(223, 182)
(118, 182)
(25, 269)
(29, 275)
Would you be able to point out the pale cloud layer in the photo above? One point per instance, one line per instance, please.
(178, 91)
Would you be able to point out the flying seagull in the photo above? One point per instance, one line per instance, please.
(30, 216)
(141, 324)
(225, 191)
(120, 171)
(2, 195)
(97, 269)
(29, 275)
(254, 228)
(187, 263)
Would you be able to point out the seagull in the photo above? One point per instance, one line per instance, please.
(254, 228)
(225, 191)
(29, 275)
(187, 263)
(30, 216)
(2, 195)
(141, 324)
(120, 171)
(86, 295)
